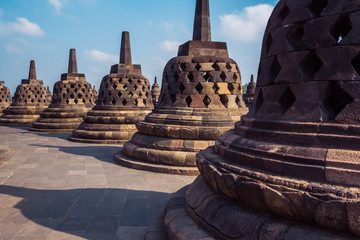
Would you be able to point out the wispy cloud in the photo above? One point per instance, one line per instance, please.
(247, 25)
(99, 56)
(22, 26)
(13, 49)
(170, 46)
(57, 4)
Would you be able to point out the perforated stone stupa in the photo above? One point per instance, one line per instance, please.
(29, 101)
(72, 99)
(201, 98)
(5, 97)
(124, 99)
(250, 92)
(155, 92)
(291, 168)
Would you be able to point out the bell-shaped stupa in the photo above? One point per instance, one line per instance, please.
(72, 99)
(201, 98)
(29, 100)
(5, 97)
(124, 99)
(250, 92)
(48, 94)
(155, 92)
(291, 168)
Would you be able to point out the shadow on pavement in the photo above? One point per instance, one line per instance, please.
(88, 213)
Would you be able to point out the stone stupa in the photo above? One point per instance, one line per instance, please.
(155, 92)
(201, 98)
(29, 100)
(72, 99)
(5, 97)
(124, 99)
(250, 92)
(291, 168)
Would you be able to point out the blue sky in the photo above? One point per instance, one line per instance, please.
(45, 30)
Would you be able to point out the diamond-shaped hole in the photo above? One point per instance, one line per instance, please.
(207, 76)
(356, 63)
(274, 70)
(72, 86)
(119, 94)
(125, 87)
(216, 67)
(235, 77)
(72, 95)
(135, 87)
(130, 81)
(311, 64)
(216, 88)
(144, 101)
(76, 101)
(207, 101)
(114, 86)
(228, 67)
(139, 81)
(237, 101)
(283, 13)
(176, 76)
(79, 95)
(295, 35)
(231, 87)
(259, 100)
(136, 102)
(173, 98)
(341, 28)
(109, 94)
(113, 102)
(191, 77)
(224, 100)
(124, 102)
(317, 6)
(338, 99)
(131, 95)
(198, 67)
(181, 87)
(188, 101)
(67, 101)
(199, 87)
(223, 76)
(287, 99)
(183, 67)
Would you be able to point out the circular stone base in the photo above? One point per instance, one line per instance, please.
(97, 141)
(44, 130)
(122, 160)
(199, 206)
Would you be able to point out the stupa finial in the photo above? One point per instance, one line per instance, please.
(32, 70)
(125, 52)
(72, 62)
(202, 28)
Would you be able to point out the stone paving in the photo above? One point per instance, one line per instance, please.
(51, 188)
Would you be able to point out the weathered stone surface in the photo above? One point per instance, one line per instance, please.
(72, 98)
(201, 98)
(124, 100)
(5, 97)
(30, 99)
(291, 166)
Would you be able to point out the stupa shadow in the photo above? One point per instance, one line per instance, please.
(87, 213)
(101, 152)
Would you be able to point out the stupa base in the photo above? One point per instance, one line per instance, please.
(97, 141)
(125, 161)
(18, 120)
(197, 212)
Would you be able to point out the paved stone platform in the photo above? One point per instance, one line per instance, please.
(51, 188)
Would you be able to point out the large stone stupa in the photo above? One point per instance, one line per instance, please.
(72, 98)
(124, 99)
(155, 92)
(291, 168)
(5, 97)
(250, 92)
(201, 98)
(30, 99)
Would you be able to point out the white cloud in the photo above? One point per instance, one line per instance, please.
(247, 25)
(13, 49)
(58, 5)
(170, 46)
(99, 56)
(23, 26)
